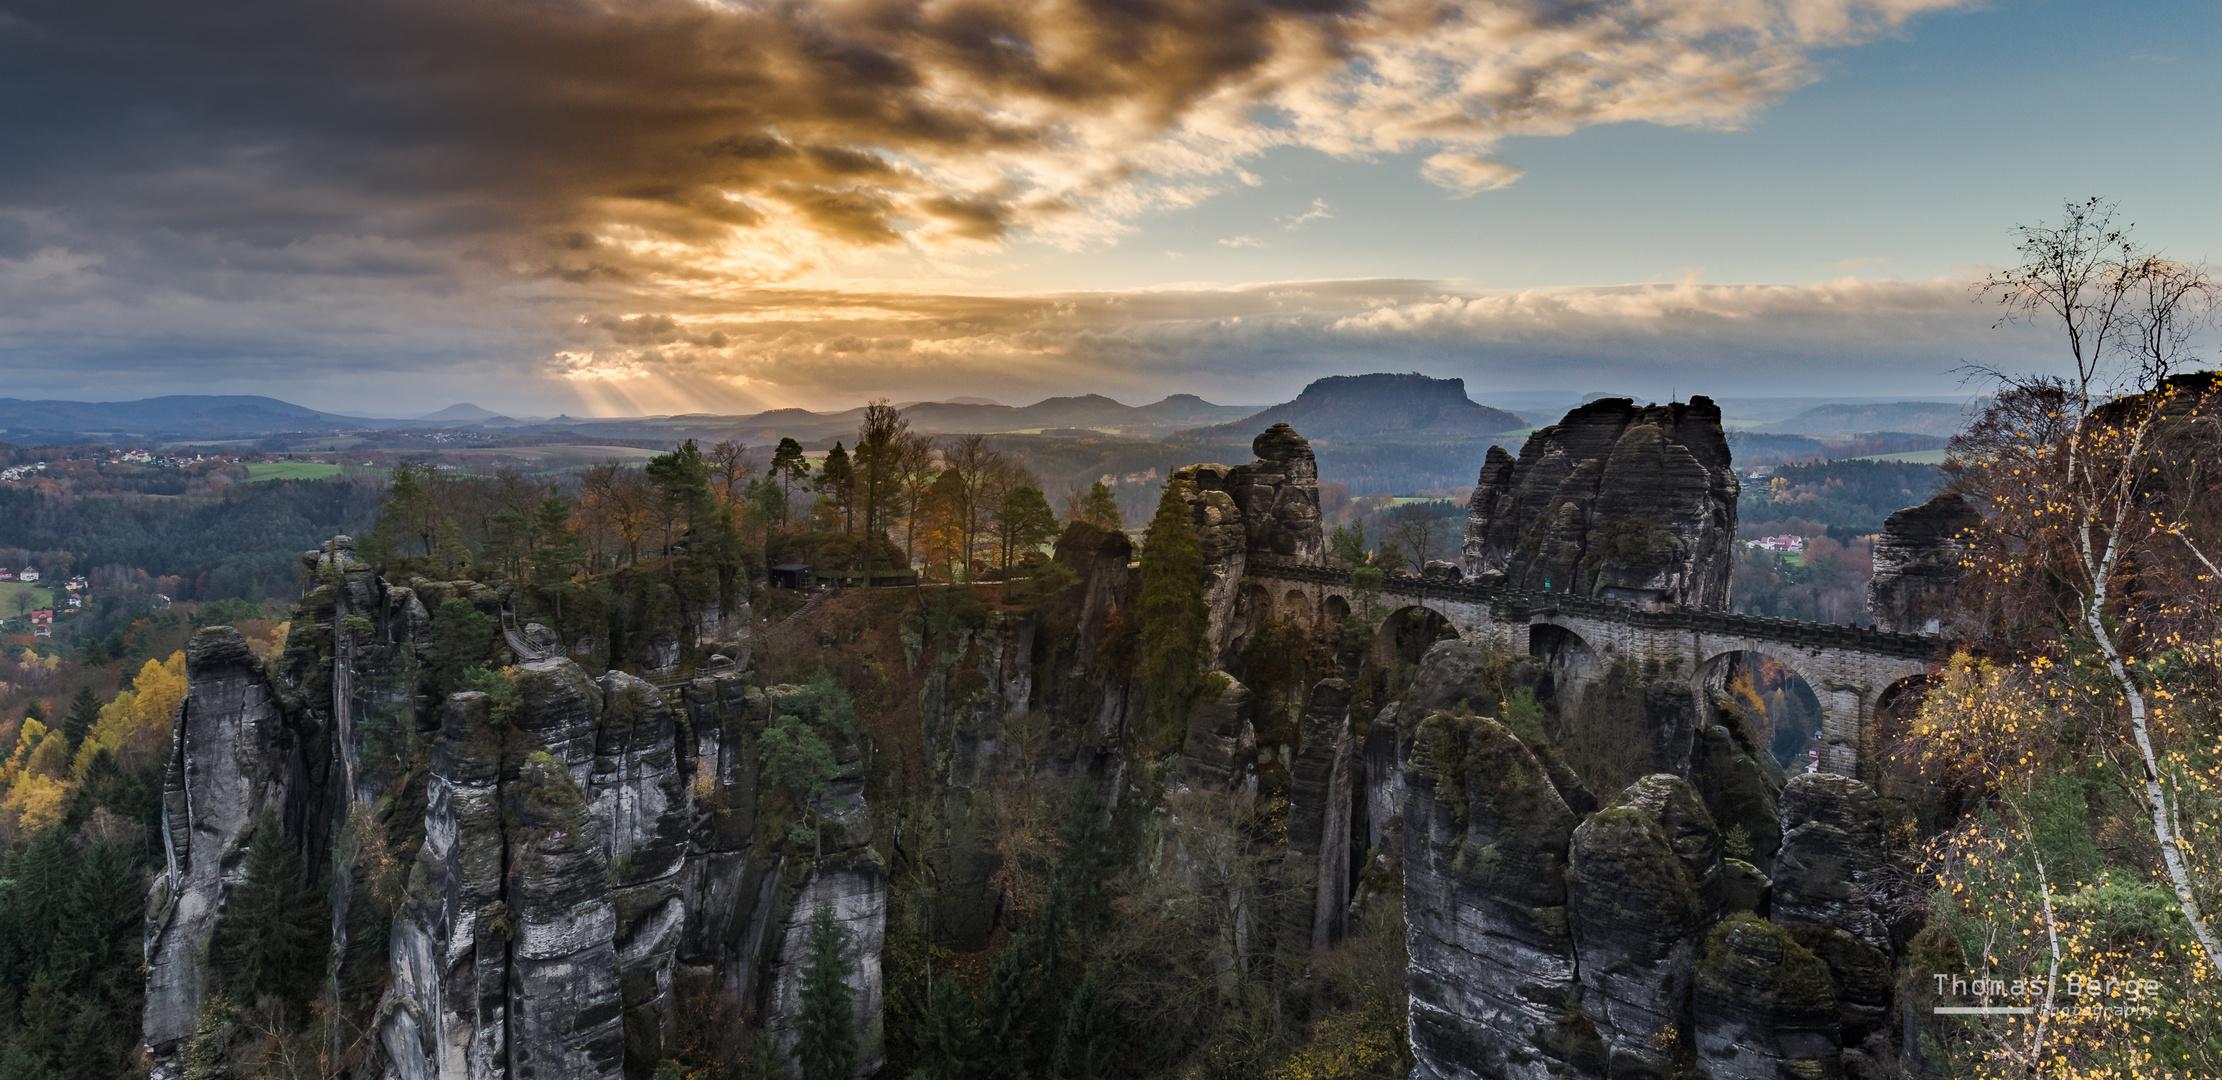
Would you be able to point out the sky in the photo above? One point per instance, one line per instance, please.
(661, 206)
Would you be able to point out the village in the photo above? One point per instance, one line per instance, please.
(30, 607)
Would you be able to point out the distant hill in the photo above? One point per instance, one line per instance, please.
(462, 413)
(1912, 417)
(176, 416)
(1765, 448)
(1087, 411)
(1375, 408)
(210, 417)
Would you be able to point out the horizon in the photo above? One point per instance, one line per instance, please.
(1536, 399)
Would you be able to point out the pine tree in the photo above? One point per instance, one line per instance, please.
(1023, 520)
(84, 710)
(949, 1034)
(265, 937)
(788, 466)
(1086, 863)
(96, 950)
(1172, 615)
(837, 481)
(1100, 508)
(825, 1046)
(1006, 1017)
(90, 1049)
(1084, 1038)
(462, 637)
(31, 912)
(556, 549)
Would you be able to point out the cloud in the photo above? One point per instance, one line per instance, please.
(1318, 212)
(1242, 242)
(384, 181)
(1468, 175)
(1252, 342)
(644, 139)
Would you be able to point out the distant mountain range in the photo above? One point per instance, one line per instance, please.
(1407, 409)
(212, 418)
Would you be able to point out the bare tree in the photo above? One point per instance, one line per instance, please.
(973, 468)
(731, 467)
(916, 468)
(2077, 471)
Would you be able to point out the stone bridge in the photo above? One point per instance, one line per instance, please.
(1852, 670)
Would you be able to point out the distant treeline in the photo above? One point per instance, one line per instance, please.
(1842, 499)
(246, 542)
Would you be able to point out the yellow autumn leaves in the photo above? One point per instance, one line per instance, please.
(42, 772)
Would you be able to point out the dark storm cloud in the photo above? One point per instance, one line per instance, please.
(364, 181)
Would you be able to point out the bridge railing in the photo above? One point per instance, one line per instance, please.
(1514, 605)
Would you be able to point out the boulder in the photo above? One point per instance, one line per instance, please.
(1861, 974)
(1764, 1007)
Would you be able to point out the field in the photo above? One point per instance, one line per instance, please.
(289, 470)
(10, 590)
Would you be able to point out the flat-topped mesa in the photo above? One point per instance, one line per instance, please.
(1616, 500)
(1918, 562)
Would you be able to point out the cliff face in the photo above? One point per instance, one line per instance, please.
(1551, 938)
(590, 852)
(1614, 500)
(1918, 559)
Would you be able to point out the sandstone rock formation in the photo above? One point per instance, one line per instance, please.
(1320, 805)
(228, 762)
(1765, 1007)
(1616, 500)
(1834, 867)
(1267, 509)
(1638, 913)
(590, 847)
(1493, 983)
(1552, 939)
(1918, 561)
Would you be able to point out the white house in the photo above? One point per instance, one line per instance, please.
(28, 574)
(1784, 544)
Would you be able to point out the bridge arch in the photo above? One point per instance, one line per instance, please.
(1296, 609)
(1566, 652)
(1784, 693)
(1409, 630)
(1333, 613)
